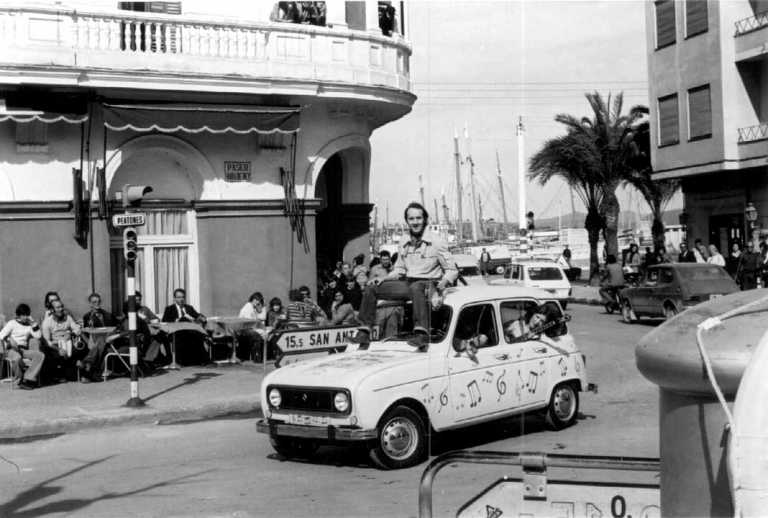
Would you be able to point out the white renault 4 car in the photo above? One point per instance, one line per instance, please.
(546, 275)
(391, 396)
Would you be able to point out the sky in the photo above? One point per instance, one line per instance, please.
(484, 64)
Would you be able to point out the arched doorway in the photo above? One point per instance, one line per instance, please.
(167, 244)
(329, 221)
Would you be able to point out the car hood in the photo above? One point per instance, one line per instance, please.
(348, 368)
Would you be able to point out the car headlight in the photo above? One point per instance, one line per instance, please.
(341, 401)
(275, 399)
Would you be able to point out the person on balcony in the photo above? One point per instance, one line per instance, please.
(20, 338)
(424, 268)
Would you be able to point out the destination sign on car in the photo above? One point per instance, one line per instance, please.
(134, 219)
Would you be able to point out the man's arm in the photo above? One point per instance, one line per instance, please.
(168, 314)
(48, 330)
(399, 269)
(450, 272)
(74, 326)
(6, 331)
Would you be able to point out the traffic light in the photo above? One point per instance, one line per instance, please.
(133, 194)
(529, 218)
(130, 250)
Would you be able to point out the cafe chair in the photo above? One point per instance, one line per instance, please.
(114, 354)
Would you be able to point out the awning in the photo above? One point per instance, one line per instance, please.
(28, 115)
(171, 118)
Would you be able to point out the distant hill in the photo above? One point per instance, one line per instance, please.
(626, 219)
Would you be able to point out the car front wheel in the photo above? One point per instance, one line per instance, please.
(293, 448)
(401, 441)
(563, 407)
(669, 311)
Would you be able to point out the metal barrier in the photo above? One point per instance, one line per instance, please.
(535, 461)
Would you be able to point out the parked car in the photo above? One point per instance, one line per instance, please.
(546, 275)
(667, 289)
(469, 270)
(391, 396)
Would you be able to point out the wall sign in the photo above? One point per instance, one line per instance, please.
(237, 171)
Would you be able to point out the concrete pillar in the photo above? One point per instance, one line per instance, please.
(372, 17)
(694, 480)
(336, 13)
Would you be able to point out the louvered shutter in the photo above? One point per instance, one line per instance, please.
(696, 17)
(669, 124)
(699, 112)
(665, 23)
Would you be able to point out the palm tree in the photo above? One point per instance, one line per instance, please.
(568, 157)
(657, 193)
(605, 146)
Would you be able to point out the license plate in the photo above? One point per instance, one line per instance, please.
(571, 499)
(308, 420)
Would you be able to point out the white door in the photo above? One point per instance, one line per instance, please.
(167, 260)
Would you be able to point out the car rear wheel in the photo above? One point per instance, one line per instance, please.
(669, 311)
(294, 448)
(563, 407)
(500, 270)
(401, 441)
(626, 312)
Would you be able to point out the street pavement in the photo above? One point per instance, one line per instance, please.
(192, 393)
(224, 468)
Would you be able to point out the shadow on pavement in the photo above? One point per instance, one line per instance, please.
(15, 508)
(198, 376)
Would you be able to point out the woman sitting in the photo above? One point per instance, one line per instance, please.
(342, 312)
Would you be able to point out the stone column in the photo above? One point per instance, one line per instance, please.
(372, 17)
(336, 14)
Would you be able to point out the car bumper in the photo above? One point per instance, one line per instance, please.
(328, 433)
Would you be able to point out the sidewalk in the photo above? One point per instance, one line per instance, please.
(191, 393)
(583, 294)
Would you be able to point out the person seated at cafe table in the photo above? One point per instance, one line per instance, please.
(302, 313)
(60, 337)
(151, 342)
(96, 315)
(94, 318)
(180, 311)
(251, 339)
(21, 339)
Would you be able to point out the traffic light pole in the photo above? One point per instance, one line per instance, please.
(130, 286)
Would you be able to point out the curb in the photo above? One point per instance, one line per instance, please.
(244, 406)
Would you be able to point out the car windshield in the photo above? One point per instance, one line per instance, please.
(440, 321)
(542, 273)
(704, 273)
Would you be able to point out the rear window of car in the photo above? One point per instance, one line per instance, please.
(469, 271)
(541, 273)
(705, 273)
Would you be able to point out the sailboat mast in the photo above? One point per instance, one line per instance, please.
(457, 158)
(471, 184)
(501, 192)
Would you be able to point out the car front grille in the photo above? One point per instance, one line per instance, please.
(309, 399)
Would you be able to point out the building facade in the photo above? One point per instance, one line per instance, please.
(251, 122)
(708, 91)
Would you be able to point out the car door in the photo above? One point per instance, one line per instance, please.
(642, 302)
(526, 375)
(665, 290)
(476, 379)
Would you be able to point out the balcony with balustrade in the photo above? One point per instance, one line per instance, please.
(751, 35)
(161, 52)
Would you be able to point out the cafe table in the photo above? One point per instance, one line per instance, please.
(98, 336)
(231, 326)
(171, 328)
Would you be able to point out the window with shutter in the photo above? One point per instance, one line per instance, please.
(696, 20)
(699, 113)
(669, 124)
(665, 23)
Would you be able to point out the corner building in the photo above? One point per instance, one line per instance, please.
(708, 91)
(252, 129)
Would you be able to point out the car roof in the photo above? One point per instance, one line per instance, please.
(684, 266)
(468, 294)
(537, 263)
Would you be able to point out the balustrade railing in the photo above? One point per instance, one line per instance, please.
(753, 133)
(173, 39)
(752, 23)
